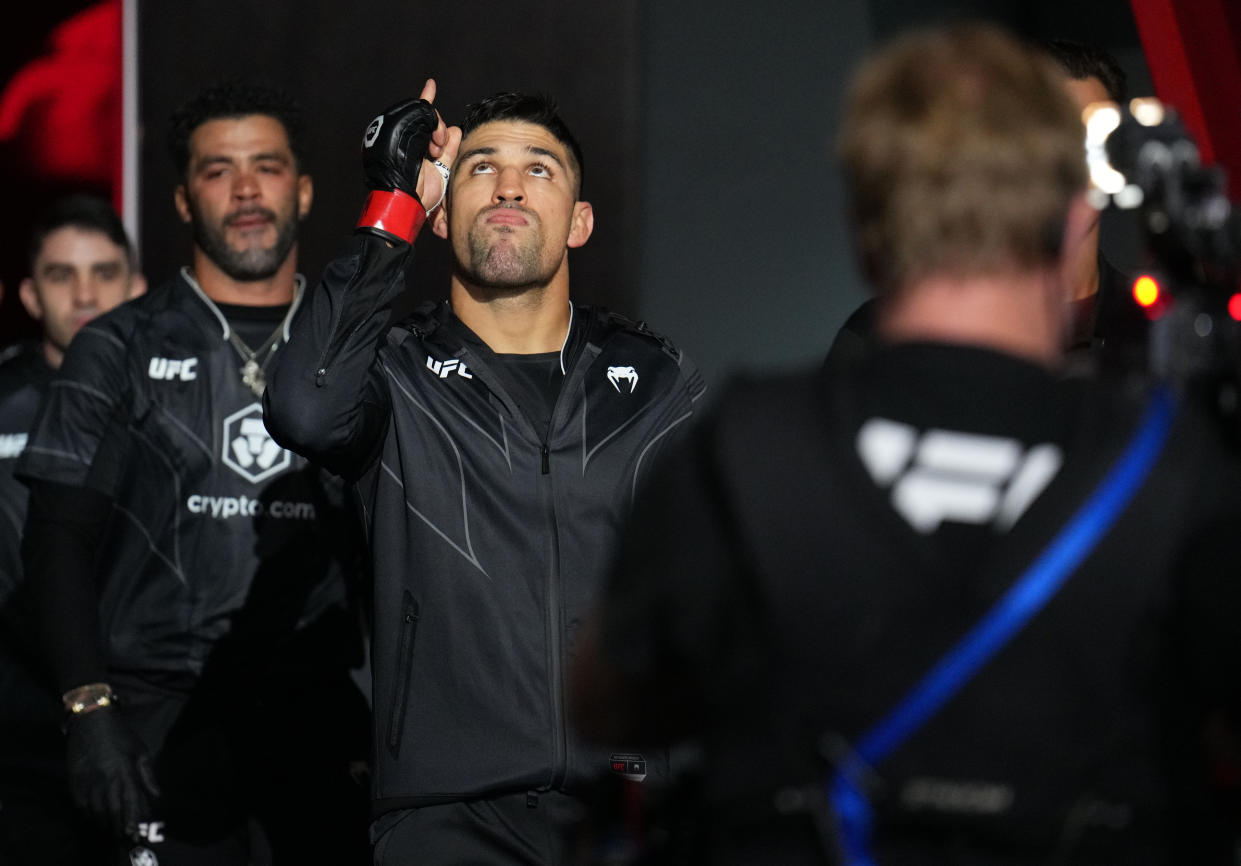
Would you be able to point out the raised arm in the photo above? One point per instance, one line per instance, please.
(324, 397)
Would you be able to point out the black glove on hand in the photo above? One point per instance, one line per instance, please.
(395, 145)
(393, 149)
(110, 772)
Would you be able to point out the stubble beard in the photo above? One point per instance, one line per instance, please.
(503, 262)
(246, 265)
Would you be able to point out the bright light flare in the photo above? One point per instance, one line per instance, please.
(1147, 111)
(1101, 119)
(1146, 291)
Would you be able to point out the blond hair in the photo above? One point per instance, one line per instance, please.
(962, 151)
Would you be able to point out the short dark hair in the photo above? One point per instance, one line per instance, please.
(538, 108)
(80, 211)
(1083, 60)
(229, 99)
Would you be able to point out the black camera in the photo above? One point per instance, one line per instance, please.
(1142, 159)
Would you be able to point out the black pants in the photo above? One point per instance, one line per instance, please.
(530, 830)
(252, 779)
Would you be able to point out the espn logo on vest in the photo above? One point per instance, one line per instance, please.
(947, 475)
(167, 369)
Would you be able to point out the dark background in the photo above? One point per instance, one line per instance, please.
(707, 129)
(23, 188)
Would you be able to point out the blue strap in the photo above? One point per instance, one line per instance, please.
(1024, 599)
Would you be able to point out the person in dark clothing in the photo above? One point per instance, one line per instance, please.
(1110, 331)
(191, 579)
(1094, 74)
(81, 265)
(495, 441)
(944, 605)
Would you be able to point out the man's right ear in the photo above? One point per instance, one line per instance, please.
(30, 299)
(439, 221)
(137, 286)
(182, 205)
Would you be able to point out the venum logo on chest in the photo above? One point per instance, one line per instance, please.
(623, 375)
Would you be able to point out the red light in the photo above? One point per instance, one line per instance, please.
(1234, 307)
(1146, 291)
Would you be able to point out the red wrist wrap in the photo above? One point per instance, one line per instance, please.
(395, 212)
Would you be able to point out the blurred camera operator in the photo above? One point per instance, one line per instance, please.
(1109, 333)
(944, 604)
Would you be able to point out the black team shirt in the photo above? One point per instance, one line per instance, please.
(150, 468)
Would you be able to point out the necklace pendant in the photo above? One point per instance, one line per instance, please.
(252, 377)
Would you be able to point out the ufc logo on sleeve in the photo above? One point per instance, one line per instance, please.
(939, 475)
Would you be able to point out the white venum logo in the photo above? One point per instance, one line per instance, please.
(616, 375)
(943, 475)
(444, 368)
(249, 449)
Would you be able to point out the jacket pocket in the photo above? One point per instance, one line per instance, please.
(404, 663)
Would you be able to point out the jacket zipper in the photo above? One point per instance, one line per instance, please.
(404, 670)
(559, 746)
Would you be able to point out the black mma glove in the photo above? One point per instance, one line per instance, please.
(110, 773)
(393, 148)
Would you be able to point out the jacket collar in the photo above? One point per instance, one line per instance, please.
(435, 322)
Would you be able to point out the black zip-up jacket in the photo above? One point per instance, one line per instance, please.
(489, 538)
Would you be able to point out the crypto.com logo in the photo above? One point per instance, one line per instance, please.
(249, 449)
